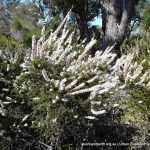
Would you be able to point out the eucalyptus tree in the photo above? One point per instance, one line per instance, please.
(116, 17)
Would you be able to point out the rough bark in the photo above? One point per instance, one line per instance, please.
(115, 20)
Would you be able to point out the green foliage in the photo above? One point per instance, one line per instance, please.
(18, 24)
(139, 43)
(8, 41)
(27, 37)
(137, 111)
(146, 22)
(137, 108)
(13, 108)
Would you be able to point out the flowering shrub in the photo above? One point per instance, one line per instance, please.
(69, 89)
(73, 94)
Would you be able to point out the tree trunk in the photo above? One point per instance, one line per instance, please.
(82, 19)
(83, 27)
(115, 20)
